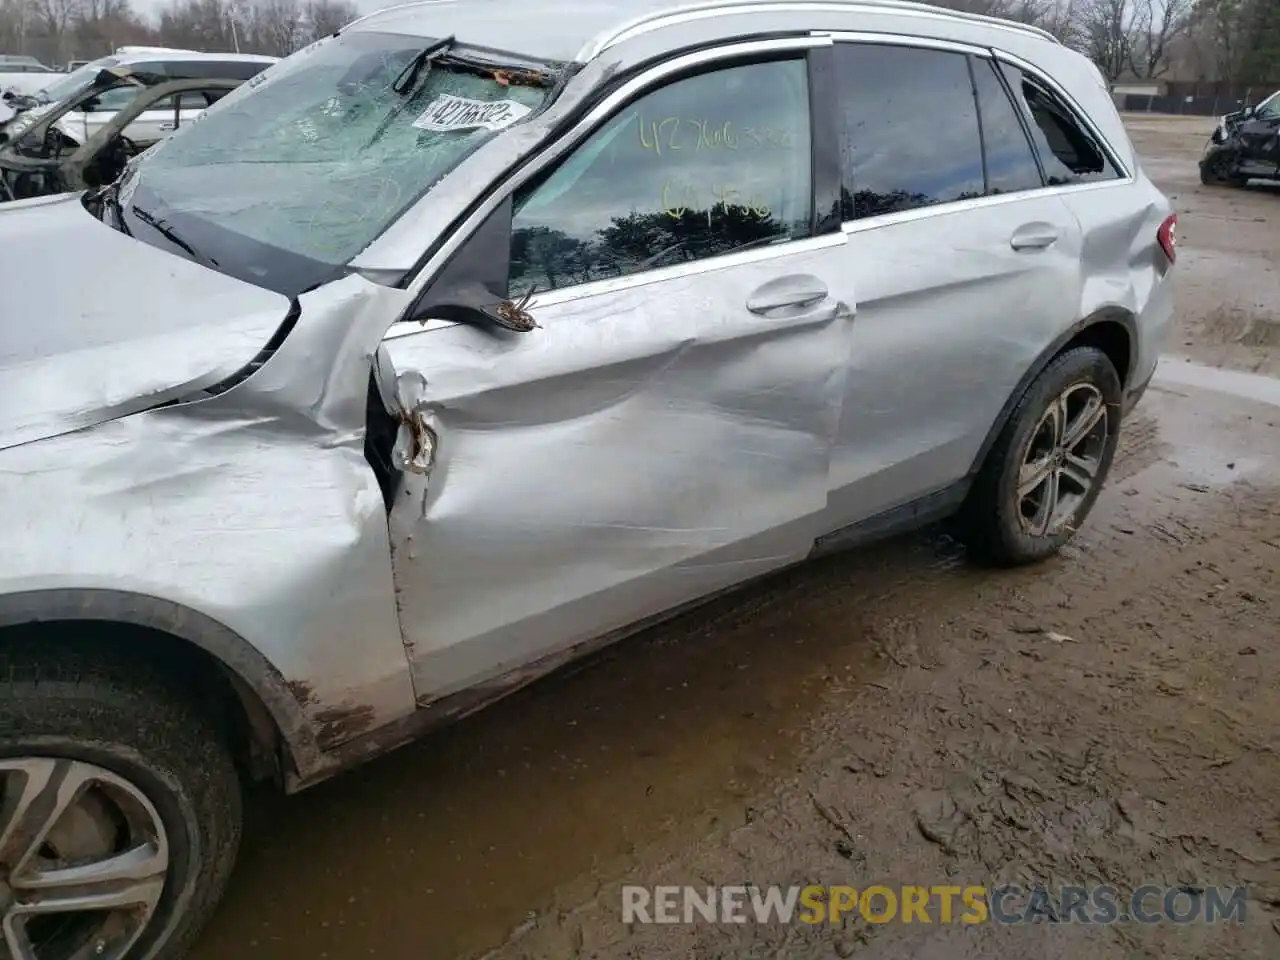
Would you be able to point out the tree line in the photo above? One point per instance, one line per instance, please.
(1236, 41)
(57, 31)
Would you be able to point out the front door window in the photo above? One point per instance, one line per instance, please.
(704, 166)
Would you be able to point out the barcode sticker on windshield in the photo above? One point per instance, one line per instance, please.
(448, 112)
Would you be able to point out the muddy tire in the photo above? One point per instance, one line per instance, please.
(115, 787)
(1049, 463)
(1216, 172)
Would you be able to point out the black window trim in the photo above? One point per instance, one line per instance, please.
(445, 264)
(966, 50)
(982, 133)
(998, 58)
(826, 178)
(1024, 121)
(1078, 114)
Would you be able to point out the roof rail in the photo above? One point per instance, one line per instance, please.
(1040, 32)
(655, 18)
(394, 6)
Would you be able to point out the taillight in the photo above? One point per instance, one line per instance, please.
(1167, 237)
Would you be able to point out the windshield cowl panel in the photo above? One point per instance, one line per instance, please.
(291, 176)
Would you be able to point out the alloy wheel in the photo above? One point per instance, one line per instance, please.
(1062, 461)
(83, 861)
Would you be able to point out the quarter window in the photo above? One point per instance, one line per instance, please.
(1011, 164)
(193, 100)
(909, 135)
(1069, 153)
(707, 165)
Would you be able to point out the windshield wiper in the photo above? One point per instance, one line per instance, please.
(408, 78)
(158, 225)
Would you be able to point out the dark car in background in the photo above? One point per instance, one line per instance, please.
(1244, 146)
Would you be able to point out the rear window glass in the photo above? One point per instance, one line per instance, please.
(910, 132)
(1069, 152)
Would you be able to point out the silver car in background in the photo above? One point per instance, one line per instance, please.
(478, 335)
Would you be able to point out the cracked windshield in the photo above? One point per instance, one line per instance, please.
(328, 152)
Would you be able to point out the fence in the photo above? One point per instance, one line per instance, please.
(1197, 99)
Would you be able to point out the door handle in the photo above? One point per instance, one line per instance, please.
(1034, 236)
(795, 290)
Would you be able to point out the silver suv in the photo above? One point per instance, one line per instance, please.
(478, 335)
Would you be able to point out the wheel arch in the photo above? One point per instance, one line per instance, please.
(276, 730)
(1112, 329)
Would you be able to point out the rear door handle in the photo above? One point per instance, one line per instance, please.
(795, 290)
(1034, 236)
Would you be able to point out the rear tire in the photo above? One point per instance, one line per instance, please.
(126, 774)
(1049, 463)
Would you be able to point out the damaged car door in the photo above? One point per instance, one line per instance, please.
(1260, 138)
(663, 428)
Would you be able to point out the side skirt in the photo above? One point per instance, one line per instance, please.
(442, 712)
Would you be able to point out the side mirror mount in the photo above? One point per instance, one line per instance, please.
(472, 286)
(473, 303)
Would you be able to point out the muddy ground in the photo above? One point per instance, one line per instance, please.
(893, 716)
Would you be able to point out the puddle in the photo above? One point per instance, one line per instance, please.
(442, 848)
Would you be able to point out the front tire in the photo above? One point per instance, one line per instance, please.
(1049, 463)
(120, 808)
(1218, 171)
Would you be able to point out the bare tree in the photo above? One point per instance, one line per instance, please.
(54, 17)
(103, 25)
(1156, 23)
(1058, 17)
(14, 19)
(197, 25)
(328, 16)
(277, 26)
(1106, 35)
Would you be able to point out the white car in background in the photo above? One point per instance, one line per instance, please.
(151, 66)
(23, 75)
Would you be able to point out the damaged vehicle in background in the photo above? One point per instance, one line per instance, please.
(1244, 146)
(148, 67)
(477, 336)
(22, 75)
(41, 160)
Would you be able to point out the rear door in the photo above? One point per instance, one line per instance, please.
(185, 108)
(102, 108)
(665, 432)
(966, 269)
(154, 123)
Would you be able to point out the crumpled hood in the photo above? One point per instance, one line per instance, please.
(95, 325)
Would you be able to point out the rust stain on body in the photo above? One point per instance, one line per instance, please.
(335, 725)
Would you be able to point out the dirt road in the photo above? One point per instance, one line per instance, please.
(1229, 266)
(893, 716)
